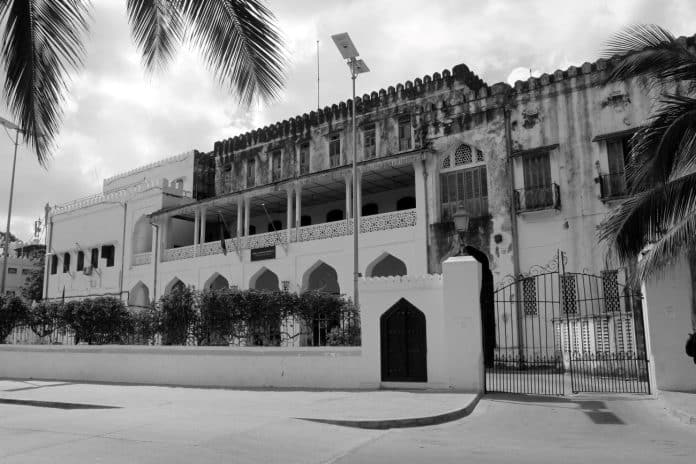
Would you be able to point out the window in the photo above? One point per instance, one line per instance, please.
(370, 141)
(54, 264)
(11, 270)
(108, 253)
(334, 215)
(334, 150)
(467, 188)
(94, 259)
(26, 271)
(404, 133)
(538, 188)
(251, 173)
(618, 152)
(304, 158)
(80, 260)
(66, 262)
(529, 296)
(370, 209)
(463, 155)
(276, 165)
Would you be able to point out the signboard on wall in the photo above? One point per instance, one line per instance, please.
(259, 254)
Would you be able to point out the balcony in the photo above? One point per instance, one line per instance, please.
(537, 198)
(613, 186)
(326, 230)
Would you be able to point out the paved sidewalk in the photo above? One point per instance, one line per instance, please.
(681, 405)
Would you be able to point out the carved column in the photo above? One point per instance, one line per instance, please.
(288, 220)
(204, 213)
(240, 216)
(298, 208)
(247, 202)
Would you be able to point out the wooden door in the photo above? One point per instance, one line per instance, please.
(404, 348)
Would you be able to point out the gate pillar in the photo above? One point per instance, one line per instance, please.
(462, 323)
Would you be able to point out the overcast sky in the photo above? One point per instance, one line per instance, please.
(118, 118)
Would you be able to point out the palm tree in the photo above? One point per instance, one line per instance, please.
(43, 42)
(659, 217)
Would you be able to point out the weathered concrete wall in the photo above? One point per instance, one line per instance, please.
(669, 309)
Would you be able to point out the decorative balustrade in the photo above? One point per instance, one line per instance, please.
(174, 254)
(142, 258)
(325, 230)
(385, 221)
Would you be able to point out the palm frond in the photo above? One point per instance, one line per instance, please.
(669, 247)
(157, 29)
(42, 42)
(241, 44)
(655, 147)
(647, 216)
(652, 50)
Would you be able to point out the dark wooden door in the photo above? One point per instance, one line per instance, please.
(404, 349)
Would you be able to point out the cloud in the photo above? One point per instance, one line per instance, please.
(118, 117)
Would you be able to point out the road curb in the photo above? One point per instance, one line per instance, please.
(382, 424)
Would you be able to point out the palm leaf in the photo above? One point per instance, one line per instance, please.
(157, 29)
(669, 247)
(652, 50)
(240, 43)
(655, 147)
(42, 42)
(648, 216)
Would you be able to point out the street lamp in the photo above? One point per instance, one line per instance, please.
(461, 224)
(357, 66)
(10, 125)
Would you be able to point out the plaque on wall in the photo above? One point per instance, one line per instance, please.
(259, 254)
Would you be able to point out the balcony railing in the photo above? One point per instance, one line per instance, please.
(377, 222)
(538, 198)
(613, 185)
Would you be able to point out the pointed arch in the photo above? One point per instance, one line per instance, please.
(321, 277)
(142, 236)
(174, 283)
(264, 279)
(386, 265)
(216, 282)
(139, 295)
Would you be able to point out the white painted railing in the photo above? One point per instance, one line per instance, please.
(142, 258)
(377, 222)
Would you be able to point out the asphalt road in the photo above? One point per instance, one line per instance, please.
(172, 425)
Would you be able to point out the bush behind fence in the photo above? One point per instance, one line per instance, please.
(187, 317)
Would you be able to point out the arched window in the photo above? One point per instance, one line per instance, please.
(54, 264)
(463, 183)
(139, 295)
(321, 278)
(334, 215)
(370, 209)
(264, 279)
(66, 262)
(80, 260)
(406, 203)
(216, 282)
(386, 265)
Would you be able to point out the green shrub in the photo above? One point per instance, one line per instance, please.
(179, 316)
(12, 312)
(98, 320)
(146, 325)
(44, 317)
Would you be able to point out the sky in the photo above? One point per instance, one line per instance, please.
(118, 117)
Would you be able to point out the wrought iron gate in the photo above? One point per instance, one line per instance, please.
(556, 329)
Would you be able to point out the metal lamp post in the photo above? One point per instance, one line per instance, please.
(6, 246)
(461, 224)
(357, 66)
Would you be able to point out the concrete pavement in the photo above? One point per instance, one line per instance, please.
(171, 425)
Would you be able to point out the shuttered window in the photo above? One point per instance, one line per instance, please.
(467, 188)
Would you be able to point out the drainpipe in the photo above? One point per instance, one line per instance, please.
(123, 252)
(155, 260)
(513, 223)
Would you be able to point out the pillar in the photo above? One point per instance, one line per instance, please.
(358, 213)
(421, 256)
(240, 217)
(298, 205)
(204, 214)
(247, 202)
(288, 207)
(196, 231)
(462, 343)
(349, 199)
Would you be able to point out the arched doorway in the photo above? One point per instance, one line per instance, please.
(487, 302)
(139, 295)
(264, 279)
(403, 344)
(217, 282)
(321, 278)
(386, 265)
